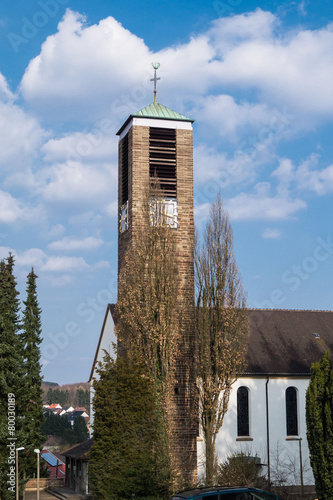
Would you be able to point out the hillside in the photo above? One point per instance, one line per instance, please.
(66, 395)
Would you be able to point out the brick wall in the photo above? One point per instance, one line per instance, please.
(182, 403)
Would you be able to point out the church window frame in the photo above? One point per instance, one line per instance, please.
(292, 420)
(243, 412)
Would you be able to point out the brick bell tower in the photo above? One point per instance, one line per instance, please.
(157, 142)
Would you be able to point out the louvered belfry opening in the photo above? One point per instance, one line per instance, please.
(162, 159)
(124, 171)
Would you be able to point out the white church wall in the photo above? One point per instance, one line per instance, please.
(284, 451)
(107, 340)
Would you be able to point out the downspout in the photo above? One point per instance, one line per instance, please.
(267, 438)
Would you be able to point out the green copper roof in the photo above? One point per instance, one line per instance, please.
(156, 110)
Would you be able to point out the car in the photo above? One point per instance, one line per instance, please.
(225, 493)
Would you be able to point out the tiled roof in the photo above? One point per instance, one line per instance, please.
(283, 341)
(80, 450)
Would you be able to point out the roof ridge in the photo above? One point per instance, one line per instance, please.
(287, 310)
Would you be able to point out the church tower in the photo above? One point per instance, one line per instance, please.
(155, 143)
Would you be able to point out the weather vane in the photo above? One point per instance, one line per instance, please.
(155, 65)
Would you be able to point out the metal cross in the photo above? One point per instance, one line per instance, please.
(155, 66)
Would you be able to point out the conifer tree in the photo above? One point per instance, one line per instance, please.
(80, 430)
(129, 431)
(319, 422)
(12, 379)
(31, 340)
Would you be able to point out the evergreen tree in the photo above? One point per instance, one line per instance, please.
(12, 379)
(80, 430)
(31, 339)
(129, 431)
(319, 421)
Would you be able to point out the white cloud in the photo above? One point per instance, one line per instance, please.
(271, 233)
(76, 183)
(102, 264)
(103, 70)
(308, 176)
(292, 69)
(70, 244)
(226, 117)
(5, 92)
(57, 281)
(20, 137)
(79, 64)
(261, 205)
(99, 144)
(10, 209)
(56, 231)
(215, 171)
(5, 251)
(227, 31)
(55, 263)
(34, 257)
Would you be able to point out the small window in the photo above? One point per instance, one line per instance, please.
(243, 414)
(291, 411)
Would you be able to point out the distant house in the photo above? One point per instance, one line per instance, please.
(54, 406)
(55, 464)
(79, 412)
(52, 444)
(77, 459)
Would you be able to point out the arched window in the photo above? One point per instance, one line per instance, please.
(243, 414)
(291, 411)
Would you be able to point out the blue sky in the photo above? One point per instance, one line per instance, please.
(257, 79)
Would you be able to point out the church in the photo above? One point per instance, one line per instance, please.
(266, 414)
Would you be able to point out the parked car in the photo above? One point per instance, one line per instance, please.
(225, 493)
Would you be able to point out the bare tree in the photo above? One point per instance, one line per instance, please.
(221, 326)
(148, 289)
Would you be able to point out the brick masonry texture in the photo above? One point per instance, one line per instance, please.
(182, 405)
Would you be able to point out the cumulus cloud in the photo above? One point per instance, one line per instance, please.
(5, 92)
(77, 183)
(10, 209)
(34, 257)
(262, 205)
(20, 137)
(60, 264)
(103, 70)
(98, 145)
(79, 64)
(307, 176)
(73, 244)
(215, 170)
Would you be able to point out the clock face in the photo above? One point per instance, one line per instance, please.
(123, 222)
(164, 212)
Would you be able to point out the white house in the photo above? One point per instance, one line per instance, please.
(266, 414)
